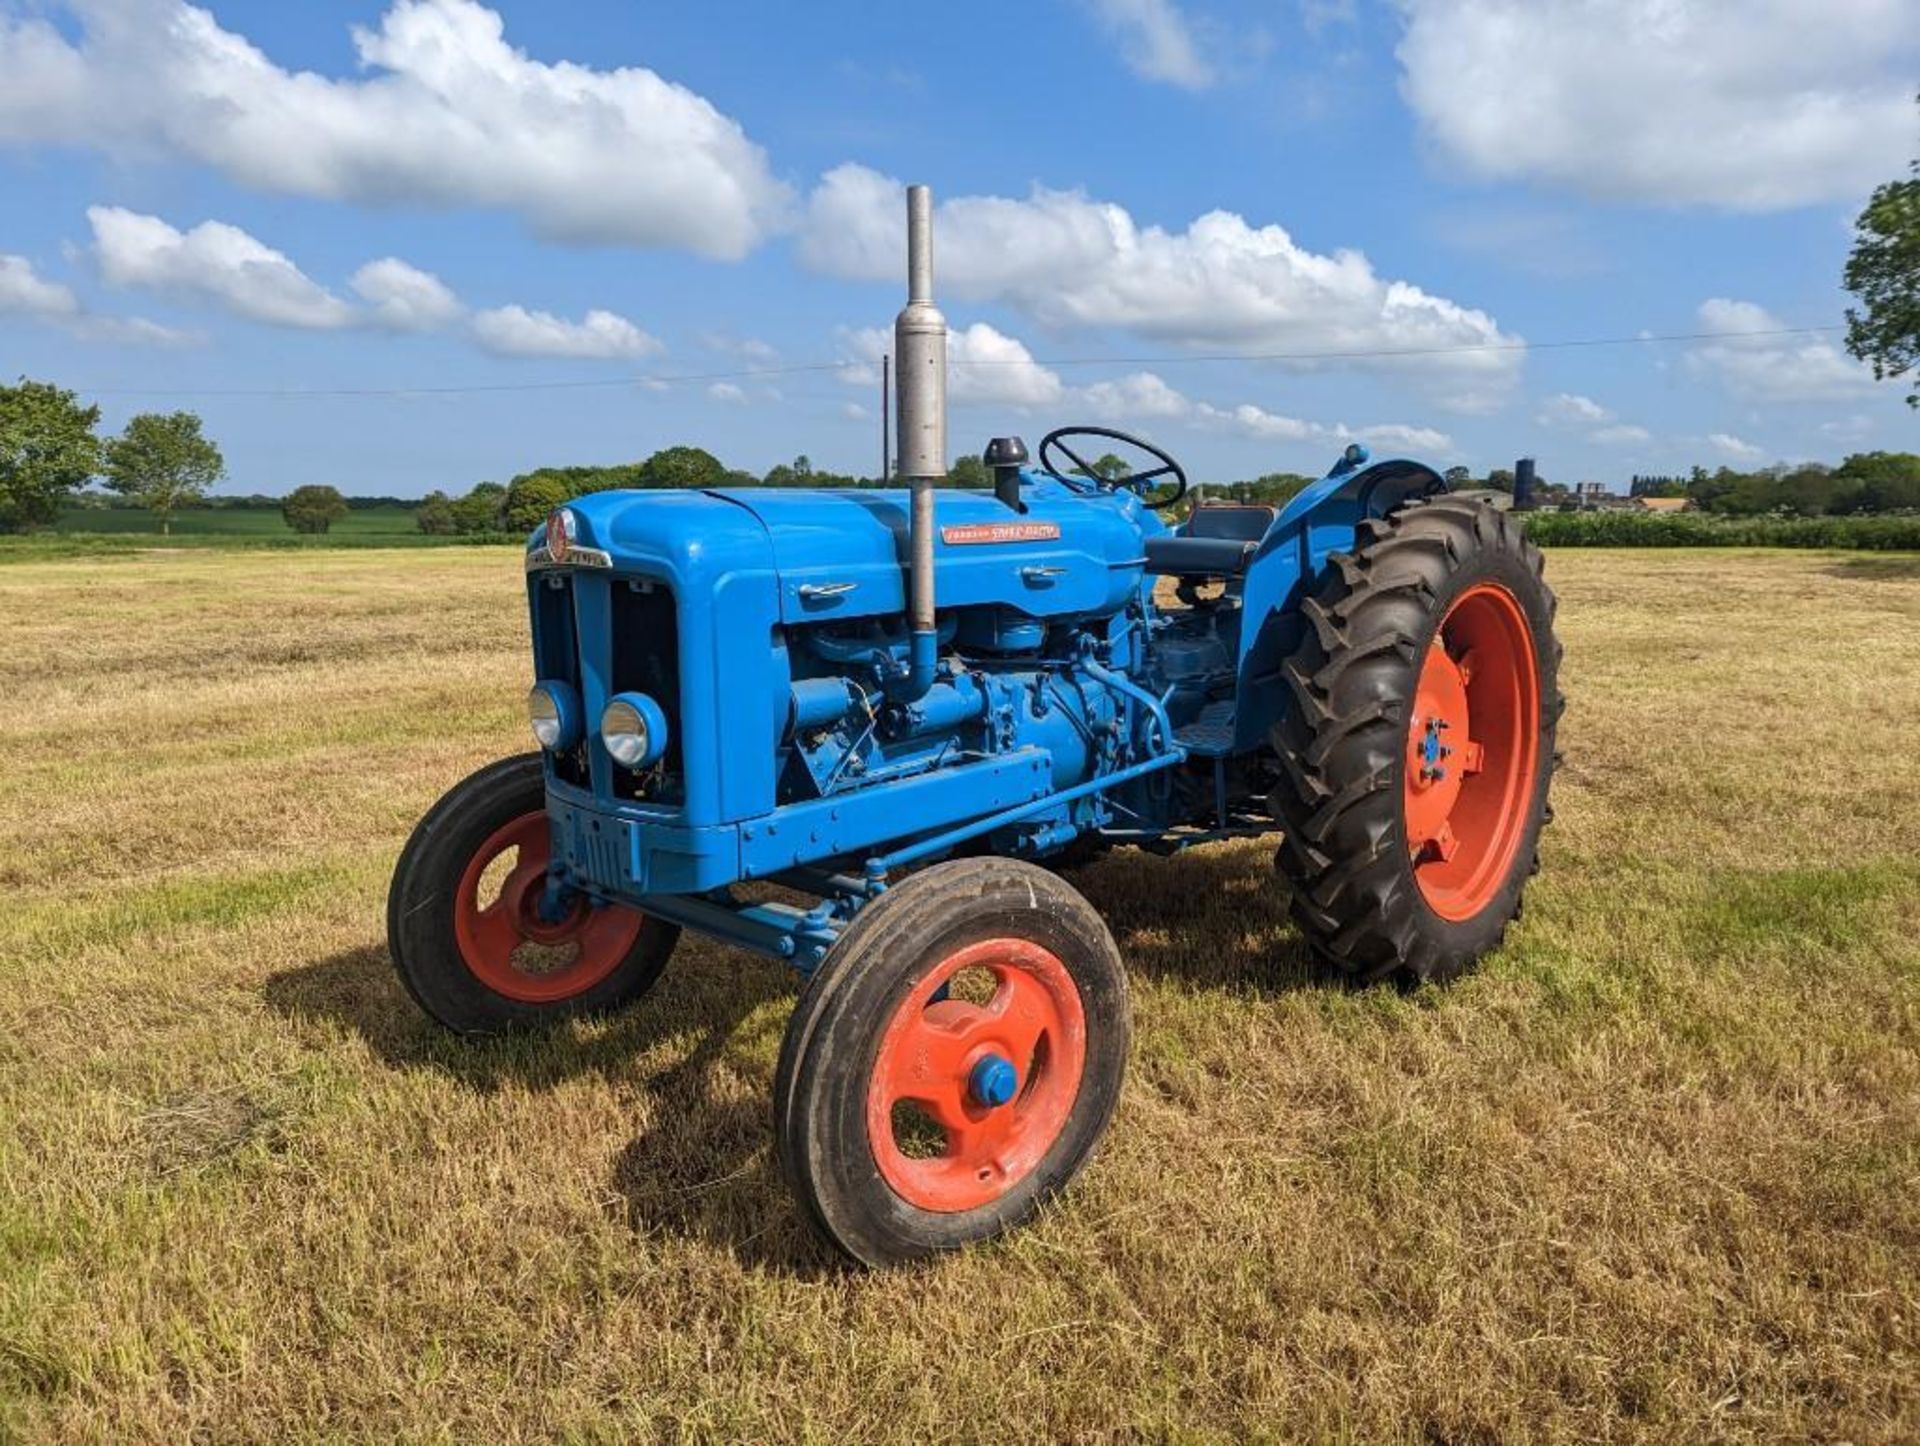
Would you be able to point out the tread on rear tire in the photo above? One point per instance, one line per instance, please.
(1348, 757)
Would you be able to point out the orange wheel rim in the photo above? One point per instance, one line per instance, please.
(991, 1084)
(1473, 746)
(583, 948)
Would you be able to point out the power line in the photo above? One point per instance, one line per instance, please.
(649, 380)
(1638, 339)
(297, 393)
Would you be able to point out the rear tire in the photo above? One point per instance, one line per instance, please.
(1418, 744)
(963, 969)
(483, 966)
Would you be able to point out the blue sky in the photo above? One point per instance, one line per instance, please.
(1413, 203)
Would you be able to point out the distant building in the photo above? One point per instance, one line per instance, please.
(1664, 504)
(1594, 497)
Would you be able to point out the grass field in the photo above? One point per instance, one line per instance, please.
(233, 522)
(1653, 1171)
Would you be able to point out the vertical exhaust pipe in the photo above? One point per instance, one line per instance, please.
(920, 391)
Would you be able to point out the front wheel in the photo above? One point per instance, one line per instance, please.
(476, 941)
(1418, 743)
(954, 1061)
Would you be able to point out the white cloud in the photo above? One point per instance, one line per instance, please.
(23, 290)
(728, 393)
(404, 297)
(1140, 397)
(1736, 447)
(1743, 104)
(1854, 428)
(1776, 368)
(1071, 262)
(1264, 426)
(1624, 435)
(1156, 41)
(1132, 400)
(1260, 424)
(446, 114)
(1600, 424)
(601, 335)
(213, 262)
(1404, 438)
(854, 412)
(1571, 409)
(985, 367)
(222, 264)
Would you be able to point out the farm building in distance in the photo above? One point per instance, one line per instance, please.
(1595, 497)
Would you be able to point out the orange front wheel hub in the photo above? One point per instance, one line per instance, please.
(995, 1078)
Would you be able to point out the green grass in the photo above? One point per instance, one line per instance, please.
(107, 532)
(232, 522)
(1653, 1171)
(46, 546)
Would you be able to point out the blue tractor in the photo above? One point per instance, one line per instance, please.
(910, 708)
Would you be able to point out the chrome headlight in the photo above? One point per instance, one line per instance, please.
(634, 730)
(553, 712)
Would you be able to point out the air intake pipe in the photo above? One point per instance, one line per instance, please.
(920, 361)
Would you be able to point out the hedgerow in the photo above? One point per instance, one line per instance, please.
(1638, 529)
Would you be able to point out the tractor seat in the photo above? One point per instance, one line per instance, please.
(1218, 540)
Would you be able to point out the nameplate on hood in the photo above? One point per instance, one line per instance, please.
(973, 532)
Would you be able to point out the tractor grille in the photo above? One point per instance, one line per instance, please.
(622, 633)
(646, 659)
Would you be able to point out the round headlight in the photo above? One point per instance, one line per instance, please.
(553, 713)
(634, 730)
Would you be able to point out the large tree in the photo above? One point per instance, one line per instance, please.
(681, 467)
(163, 463)
(47, 449)
(313, 508)
(1884, 272)
(434, 515)
(480, 509)
(531, 496)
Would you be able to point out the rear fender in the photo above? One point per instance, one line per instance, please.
(1320, 520)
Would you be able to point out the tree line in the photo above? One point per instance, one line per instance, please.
(521, 504)
(50, 448)
(1864, 484)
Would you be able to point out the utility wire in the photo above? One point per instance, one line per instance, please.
(756, 373)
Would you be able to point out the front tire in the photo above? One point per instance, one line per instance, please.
(1418, 744)
(464, 924)
(953, 1062)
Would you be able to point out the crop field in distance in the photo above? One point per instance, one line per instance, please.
(1653, 1171)
(237, 522)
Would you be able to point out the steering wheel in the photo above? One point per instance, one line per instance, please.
(1054, 440)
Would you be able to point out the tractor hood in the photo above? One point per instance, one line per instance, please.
(842, 554)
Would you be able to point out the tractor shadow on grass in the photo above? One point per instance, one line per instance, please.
(703, 1167)
(1214, 917)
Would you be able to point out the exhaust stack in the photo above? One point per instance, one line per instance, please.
(920, 359)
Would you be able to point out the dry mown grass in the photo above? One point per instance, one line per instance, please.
(1653, 1171)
